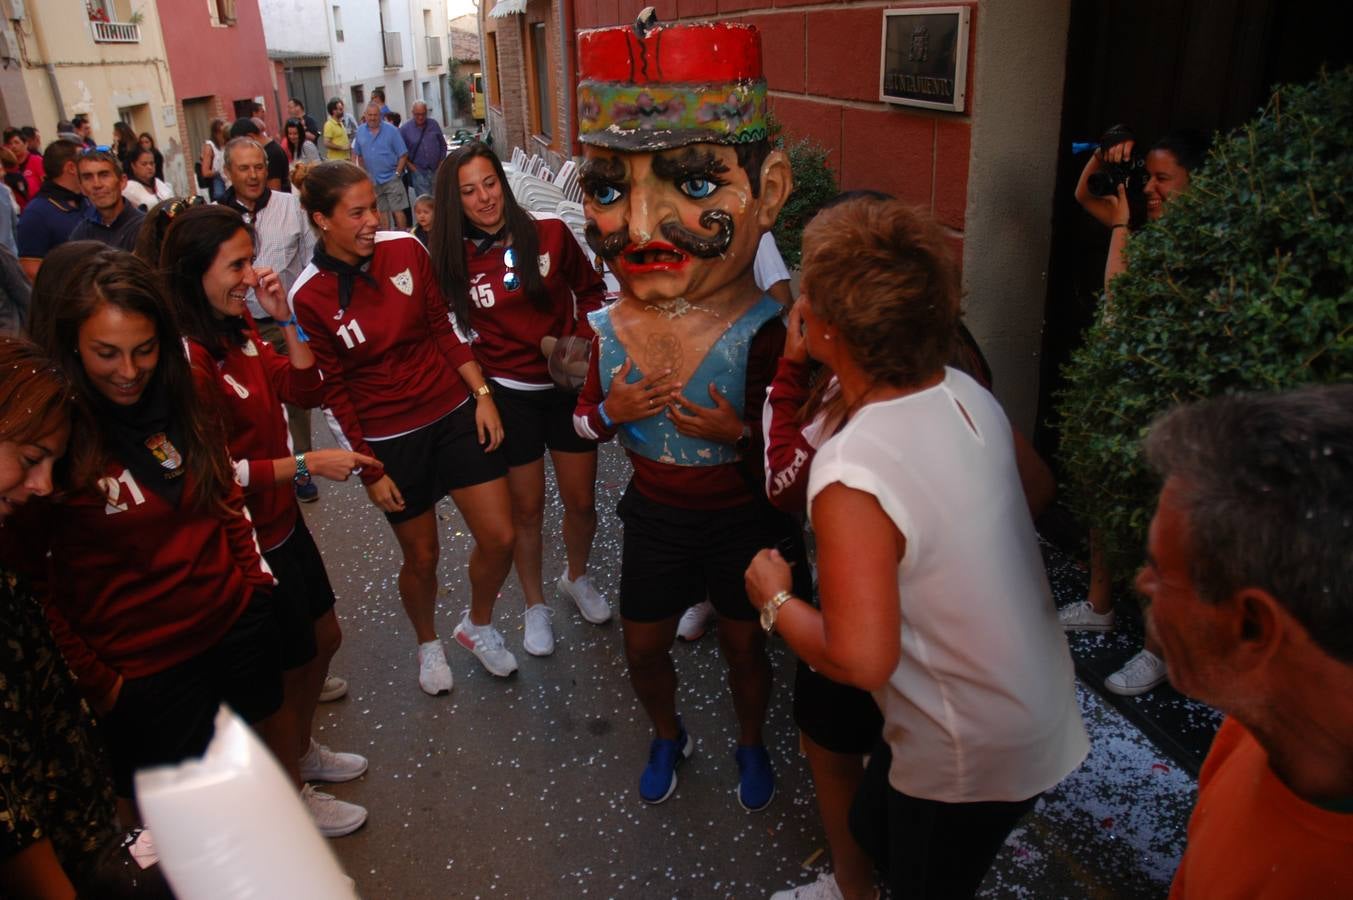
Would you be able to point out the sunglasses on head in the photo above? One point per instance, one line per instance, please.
(175, 205)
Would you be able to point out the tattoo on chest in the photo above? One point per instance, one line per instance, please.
(662, 350)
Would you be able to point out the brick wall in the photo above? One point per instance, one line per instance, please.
(514, 124)
(822, 62)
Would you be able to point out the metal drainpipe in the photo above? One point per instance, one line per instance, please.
(47, 66)
(569, 145)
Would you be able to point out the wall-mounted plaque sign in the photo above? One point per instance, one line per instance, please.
(925, 57)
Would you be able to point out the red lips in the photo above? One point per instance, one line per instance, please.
(655, 256)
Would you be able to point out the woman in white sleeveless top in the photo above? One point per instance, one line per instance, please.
(933, 591)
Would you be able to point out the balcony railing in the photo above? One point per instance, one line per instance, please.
(394, 50)
(115, 32)
(434, 51)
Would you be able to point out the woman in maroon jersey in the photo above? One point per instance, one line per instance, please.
(155, 589)
(515, 280)
(406, 390)
(207, 261)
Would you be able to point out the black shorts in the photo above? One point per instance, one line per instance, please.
(165, 718)
(840, 717)
(536, 420)
(302, 595)
(928, 848)
(437, 459)
(674, 557)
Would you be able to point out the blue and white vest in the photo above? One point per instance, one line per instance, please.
(724, 366)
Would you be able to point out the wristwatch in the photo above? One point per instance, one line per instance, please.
(482, 391)
(772, 609)
(302, 476)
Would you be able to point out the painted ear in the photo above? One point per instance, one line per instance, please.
(777, 181)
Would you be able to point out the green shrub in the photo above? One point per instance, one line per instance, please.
(814, 185)
(1244, 285)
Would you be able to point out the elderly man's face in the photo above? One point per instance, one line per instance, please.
(1192, 633)
(420, 113)
(248, 172)
(372, 117)
(672, 224)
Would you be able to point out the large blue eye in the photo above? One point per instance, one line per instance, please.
(697, 187)
(606, 195)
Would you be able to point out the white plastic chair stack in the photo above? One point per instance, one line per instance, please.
(540, 196)
(572, 214)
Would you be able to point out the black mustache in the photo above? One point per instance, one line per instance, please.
(609, 246)
(696, 245)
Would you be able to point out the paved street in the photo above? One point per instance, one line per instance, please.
(527, 787)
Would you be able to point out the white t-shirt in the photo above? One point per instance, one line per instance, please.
(140, 197)
(769, 267)
(982, 704)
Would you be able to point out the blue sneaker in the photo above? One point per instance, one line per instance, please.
(307, 491)
(659, 779)
(756, 779)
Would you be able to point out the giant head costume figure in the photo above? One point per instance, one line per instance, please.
(680, 183)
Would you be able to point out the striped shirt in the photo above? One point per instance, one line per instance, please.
(285, 241)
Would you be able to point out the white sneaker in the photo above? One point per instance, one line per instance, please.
(334, 688)
(539, 639)
(1081, 616)
(322, 764)
(584, 593)
(434, 675)
(1143, 672)
(332, 816)
(486, 643)
(825, 888)
(695, 621)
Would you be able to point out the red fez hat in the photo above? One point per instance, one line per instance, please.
(652, 87)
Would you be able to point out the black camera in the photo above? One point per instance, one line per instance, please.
(1131, 173)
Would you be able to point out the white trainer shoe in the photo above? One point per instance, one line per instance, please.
(1081, 616)
(825, 888)
(434, 675)
(334, 688)
(332, 816)
(486, 644)
(322, 764)
(539, 639)
(584, 593)
(695, 621)
(1142, 673)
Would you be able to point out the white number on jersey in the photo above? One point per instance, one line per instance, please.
(351, 334)
(240, 389)
(482, 295)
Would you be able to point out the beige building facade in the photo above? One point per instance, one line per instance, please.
(103, 59)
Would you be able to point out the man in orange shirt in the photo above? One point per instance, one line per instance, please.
(1250, 582)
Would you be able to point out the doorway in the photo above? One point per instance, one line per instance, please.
(1154, 66)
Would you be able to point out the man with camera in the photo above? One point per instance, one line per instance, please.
(1123, 189)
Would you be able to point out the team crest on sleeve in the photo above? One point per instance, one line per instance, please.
(544, 260)
(403, 281)
(249, 349)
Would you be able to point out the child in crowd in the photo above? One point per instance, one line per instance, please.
(422, 217)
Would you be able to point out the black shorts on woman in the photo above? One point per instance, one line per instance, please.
(430, 462)
(170, 716)
(303, 594)
(538, 420)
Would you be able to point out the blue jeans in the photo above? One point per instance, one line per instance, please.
(423, 180)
